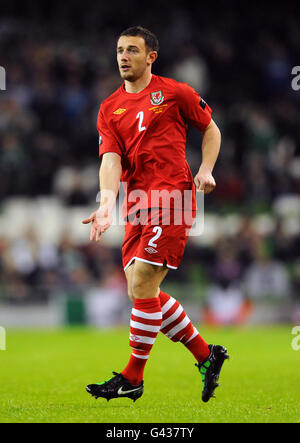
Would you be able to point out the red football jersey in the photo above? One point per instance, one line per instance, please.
(148, 130)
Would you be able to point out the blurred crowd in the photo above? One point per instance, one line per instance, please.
(233, 273)
(60, 64)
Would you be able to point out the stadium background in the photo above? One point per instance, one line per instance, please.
(60, 64)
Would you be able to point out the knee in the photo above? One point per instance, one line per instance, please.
(138, 285)
(142, 285)
(129, 274)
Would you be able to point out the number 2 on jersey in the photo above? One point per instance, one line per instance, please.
(140, 116)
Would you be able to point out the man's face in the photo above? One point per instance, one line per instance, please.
(133, 57)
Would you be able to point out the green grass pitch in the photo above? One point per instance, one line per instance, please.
(44, 374)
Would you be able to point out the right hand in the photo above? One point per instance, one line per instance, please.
(101, 221)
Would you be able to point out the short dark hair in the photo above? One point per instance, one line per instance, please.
(151, 40)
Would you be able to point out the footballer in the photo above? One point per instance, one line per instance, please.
(142, 139)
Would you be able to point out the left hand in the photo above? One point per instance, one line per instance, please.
(204, 180)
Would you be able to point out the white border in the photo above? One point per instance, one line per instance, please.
(147, 261)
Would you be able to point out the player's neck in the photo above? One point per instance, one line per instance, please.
(138, 85)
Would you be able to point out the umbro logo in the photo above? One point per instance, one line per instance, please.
(133, 337)
(119, 111)
(151, 250)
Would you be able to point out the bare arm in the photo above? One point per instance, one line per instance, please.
(109, 177)
(211, 143)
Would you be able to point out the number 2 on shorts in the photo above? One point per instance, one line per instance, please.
(158, 231)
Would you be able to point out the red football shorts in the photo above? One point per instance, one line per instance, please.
(155, 236)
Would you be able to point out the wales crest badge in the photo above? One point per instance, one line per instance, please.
(156, 98)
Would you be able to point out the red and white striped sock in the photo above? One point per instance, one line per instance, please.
(145, 322)
(178, 327)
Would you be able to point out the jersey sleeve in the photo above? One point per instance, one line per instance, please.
(193, 108)
(107, 141)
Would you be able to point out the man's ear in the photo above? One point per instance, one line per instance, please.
(152, 56)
